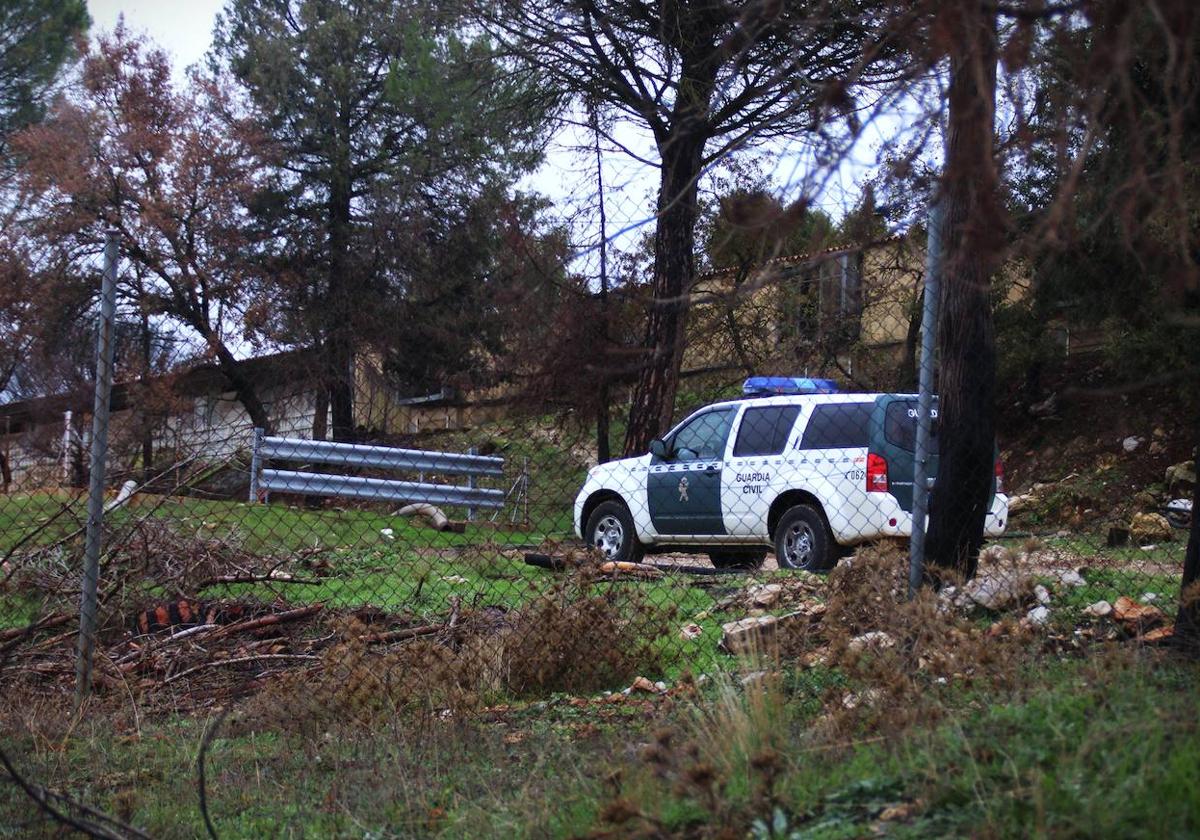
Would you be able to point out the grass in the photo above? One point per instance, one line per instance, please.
(1103, 745)
(1107, 746)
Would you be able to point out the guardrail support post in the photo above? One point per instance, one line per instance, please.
(471, 485)
(255, 464)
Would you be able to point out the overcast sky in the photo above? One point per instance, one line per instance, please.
(184, 30)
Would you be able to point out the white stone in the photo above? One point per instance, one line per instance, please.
(1042, 594)
(876, 640)
(1100, 609)
(1149, 597)
(1131, 443)
(1070, 577)
(995, 592)
(1038, 615)
(767, 595)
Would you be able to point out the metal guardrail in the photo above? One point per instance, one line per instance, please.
(263, 479)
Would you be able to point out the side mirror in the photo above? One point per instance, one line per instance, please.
(659, 449)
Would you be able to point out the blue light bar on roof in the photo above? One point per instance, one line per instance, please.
(770, 386)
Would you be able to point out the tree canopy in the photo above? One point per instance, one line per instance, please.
(37, 38)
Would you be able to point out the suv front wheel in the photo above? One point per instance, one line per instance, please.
(610, 529)
(803, 540)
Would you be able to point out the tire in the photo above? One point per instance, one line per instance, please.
(803, 540)
(737, 560)
(610, 529)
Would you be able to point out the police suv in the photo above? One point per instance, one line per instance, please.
(796, 466)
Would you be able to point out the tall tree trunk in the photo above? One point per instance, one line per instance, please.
(1187, 621)
(973, 236)
(908, 366)
(243, 388)
(674, 271)
(320, 425)
(340, 312)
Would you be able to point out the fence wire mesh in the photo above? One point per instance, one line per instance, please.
(470, 563)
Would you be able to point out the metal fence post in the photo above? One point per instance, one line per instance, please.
(929, 327)
(471, 485)
(95, 505)
(255, 463)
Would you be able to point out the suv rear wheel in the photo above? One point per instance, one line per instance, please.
(610, 529)
(803, 540)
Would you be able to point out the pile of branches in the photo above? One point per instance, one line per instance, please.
(189, 655)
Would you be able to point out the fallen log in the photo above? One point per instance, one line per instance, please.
(56, 620)
(618, 568)
(559, 564)
(267, 621)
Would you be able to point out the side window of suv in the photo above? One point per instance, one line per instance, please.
(838, 426)
(765, 431)
(703, 437)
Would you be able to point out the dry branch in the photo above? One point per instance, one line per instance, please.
(400, 635)
(267, 620)
(238, 660)
(55, 620)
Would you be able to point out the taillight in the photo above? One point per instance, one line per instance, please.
(999, 476)
(876, 473)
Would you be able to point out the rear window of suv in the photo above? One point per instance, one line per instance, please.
(900, 425)
(765, 431)
(838, 426)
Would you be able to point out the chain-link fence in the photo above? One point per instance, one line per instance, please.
(470, 561)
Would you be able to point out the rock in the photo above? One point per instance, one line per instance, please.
(643, 685)
(767, 595)
(1156, 447)
(1100, 609)
(1144, 501)
(875, 640)
(749, 635)
(1159, 433)
(691, 631)
(1070, 577)
(1137, 616)
(1149, 597)
(1016, 504)
(1157, 635)
(869, 697)
(997, 592)
(1042, 594)
(1131, 443)
(1038, 616)
(1180, 479)
(661, 687)
(387, 533)
(903, 811)
(1149, 527)
(754, 677)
